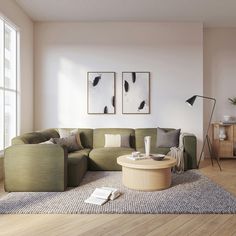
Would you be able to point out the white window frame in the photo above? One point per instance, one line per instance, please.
(4, 89)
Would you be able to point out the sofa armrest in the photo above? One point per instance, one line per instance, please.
(35, 168)
(190, 151)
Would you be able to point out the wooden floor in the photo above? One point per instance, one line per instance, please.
(132, 225)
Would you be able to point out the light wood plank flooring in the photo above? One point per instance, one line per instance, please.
(131, 225)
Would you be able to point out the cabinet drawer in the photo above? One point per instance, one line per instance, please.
(226, 149)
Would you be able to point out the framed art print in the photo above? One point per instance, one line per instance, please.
(101, 93)
(136, 92)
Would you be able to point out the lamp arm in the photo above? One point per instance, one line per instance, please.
(206, 97)
(213, 108)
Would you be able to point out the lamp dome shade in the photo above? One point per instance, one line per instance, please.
(191, 100)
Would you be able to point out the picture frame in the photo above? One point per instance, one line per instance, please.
(101, 93)
(135, 92)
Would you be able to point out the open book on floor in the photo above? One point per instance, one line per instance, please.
(102, 195)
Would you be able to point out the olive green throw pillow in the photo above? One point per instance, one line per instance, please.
(69, 142)
(167, 139)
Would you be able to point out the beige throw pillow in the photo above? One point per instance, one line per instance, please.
(64, 133)
(116, 140)
(69, 142)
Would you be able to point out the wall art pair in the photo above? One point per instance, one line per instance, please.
(101, 93)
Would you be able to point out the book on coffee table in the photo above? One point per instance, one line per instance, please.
(102, 195)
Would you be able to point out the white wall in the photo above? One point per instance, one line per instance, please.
(15, 14)
(220, 70)
(65, 52)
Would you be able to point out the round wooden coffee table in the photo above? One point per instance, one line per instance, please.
(146, 174)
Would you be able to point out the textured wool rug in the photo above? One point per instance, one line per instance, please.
(190, 192)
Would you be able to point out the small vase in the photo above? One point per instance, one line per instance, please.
(222, 135)
(147, 143)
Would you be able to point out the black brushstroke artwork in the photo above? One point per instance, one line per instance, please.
(133, 77)
(96, 80)
(126, 85)
(113, 100)
(141, 106)
(105, 110)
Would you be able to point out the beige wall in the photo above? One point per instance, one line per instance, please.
(219, 71)
(172, 52)
(14, 13)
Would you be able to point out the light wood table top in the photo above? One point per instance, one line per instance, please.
(149, 164)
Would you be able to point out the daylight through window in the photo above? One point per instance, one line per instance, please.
(8, 83)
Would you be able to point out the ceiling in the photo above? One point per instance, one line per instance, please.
(213, 13)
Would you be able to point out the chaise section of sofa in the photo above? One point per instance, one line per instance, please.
(104, 158)
(35, 168)
(41, 165)
(78, 161)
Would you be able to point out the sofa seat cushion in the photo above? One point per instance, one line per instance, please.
(105, 158)
(77, 166)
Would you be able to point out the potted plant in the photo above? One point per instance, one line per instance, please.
(233, 102)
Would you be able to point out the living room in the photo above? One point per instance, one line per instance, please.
(183, 49)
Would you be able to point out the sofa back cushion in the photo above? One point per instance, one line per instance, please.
(86, 137)
(139, 140)
(35, 137)
(99, 136)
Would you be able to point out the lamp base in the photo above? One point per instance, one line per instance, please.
(213, 156)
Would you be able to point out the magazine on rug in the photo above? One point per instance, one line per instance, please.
(102, 195)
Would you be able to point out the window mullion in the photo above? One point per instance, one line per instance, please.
(16, 77)
(4, 128)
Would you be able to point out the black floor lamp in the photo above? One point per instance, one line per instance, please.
(191, 101)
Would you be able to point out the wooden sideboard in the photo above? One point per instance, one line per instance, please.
(224, 148)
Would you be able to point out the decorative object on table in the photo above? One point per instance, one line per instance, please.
(222, 134)
(135, 154)
(136, 92)
(101, 93)
(227, 118)
(157, 157)
(147, 145)
(137, 158)
(191, 101)
(232, 101)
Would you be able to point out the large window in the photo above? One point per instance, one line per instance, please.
(8, 83)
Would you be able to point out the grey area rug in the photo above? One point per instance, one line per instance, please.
(190, 192)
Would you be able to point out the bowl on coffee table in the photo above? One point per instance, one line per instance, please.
(157, 157)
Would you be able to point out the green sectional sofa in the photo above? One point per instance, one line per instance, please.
(30, 166)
